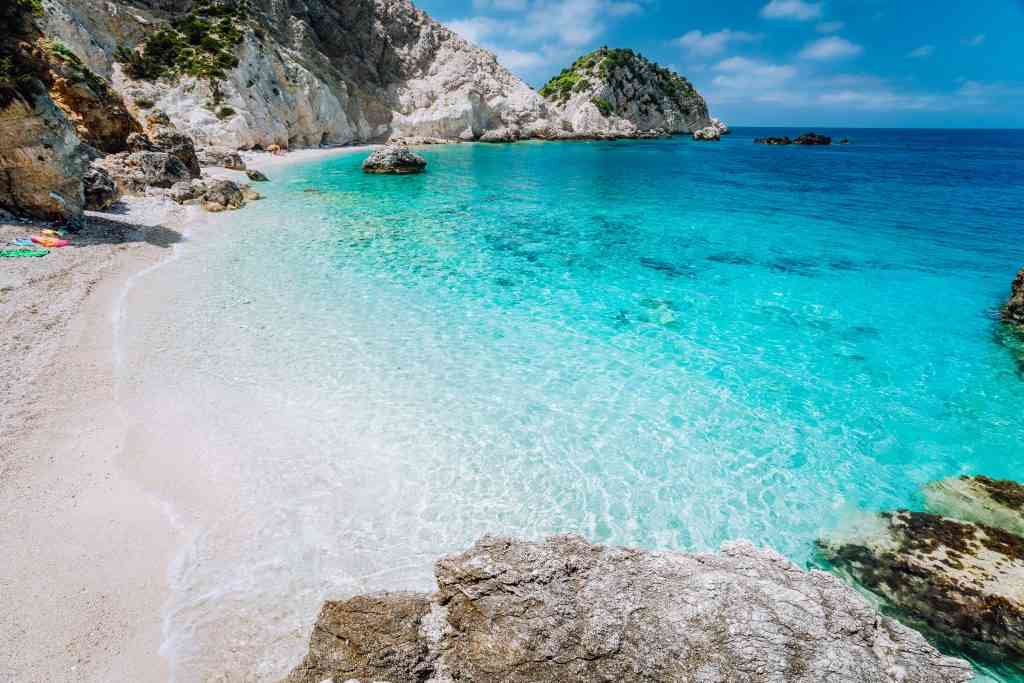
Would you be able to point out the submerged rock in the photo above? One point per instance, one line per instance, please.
(566, 610)
(394, 159)
(707, 133)
(100, 189)
(964, 580)
(812, 139)
(1013, 312)
(995, 502)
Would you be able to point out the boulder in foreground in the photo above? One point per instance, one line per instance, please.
(394, 159)
(566, 610)
(964, 580)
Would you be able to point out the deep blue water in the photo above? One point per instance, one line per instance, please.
(658, 343)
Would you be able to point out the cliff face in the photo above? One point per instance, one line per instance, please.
(620, 92)
(310, 72)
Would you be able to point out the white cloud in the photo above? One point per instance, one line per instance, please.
(519, 60)
(624, 9)
(833, 47)
(922, 52)
(700, 44)
(975, 40)
(880, 100)
(476, 29)
(979, 91)
(791, 9)
(830, 26)
(739, 79)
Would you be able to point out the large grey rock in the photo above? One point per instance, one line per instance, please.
(223, 157)
(134, 172)
(177, 144)
(187, 191)
(101, 192)
(564, 610)
(1013, 313)
(222, 195)
(707, 133)
(499, 136)
(964, 580)
(394, 159)
(982, 500)
(41, 163)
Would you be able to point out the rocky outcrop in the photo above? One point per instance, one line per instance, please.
(1013, 312)
(256, 176)
(165, 138)
(720, 126)
(812, 139)
(565, 610)
(964, 580)
(979, 499)
(222, 195)
(394, 159)
(618, 92)
(41, 160)
(784, 140)
(221, 156)
(708, 133)
(101, 192)
(135, 171)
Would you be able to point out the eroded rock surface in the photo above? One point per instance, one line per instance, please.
(222, 195)
(101, 192)
(135, 171)
(394, 159)
(566, 610)
(964, 580)
(982, 500)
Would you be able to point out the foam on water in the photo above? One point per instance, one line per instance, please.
(664, 344)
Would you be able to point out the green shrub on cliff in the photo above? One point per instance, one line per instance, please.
(602, 105)
(19, 68)
(200, 44)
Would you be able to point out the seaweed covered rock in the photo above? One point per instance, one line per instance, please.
(965, 581)
(979, 499)
(394, 159)
(1013, 312)
(101, 192)
(565, 610)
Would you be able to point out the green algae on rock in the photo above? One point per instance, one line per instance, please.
(963, 580)
(979, 499)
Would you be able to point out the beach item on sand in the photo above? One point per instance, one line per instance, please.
(52, 242)
(21, 242)
(22, 253)
(49, 232)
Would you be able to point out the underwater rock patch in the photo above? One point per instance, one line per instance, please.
(979, 499)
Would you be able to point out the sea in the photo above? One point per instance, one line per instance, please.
(660, 343)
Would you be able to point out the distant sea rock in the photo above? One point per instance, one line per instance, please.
(394, 159)
(1013, 312)
(805, 139)
(964, 580)
(707, 133)
(566, 610)
(773, 141)
(619, 92)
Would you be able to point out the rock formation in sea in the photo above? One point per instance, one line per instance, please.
(707, 133)
(965, 581)
(804, 139)
(566, 610)
(979, 499)
(1013, 312)
(394, 160)
(617, 92)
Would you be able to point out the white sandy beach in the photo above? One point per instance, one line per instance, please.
(87, 539)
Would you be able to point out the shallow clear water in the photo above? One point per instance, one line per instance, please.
(666, 344)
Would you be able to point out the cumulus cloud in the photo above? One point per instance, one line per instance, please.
(500, 5)
(700, 44)
(974, 40)
(833, 47)
(922, 52)
(830, 26)
(791, 9)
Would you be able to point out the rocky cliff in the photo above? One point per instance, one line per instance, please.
(566, 610)
(619, 92)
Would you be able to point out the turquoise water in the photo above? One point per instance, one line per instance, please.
(659, 343)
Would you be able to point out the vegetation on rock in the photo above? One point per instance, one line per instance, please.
(201, 44)
(20, 69)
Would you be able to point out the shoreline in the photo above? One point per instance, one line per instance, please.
(93, 538)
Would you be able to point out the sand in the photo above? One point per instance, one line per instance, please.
(87, 536)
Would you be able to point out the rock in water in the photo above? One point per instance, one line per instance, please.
(100, 189)
(1013, 313)
(812, 139)
(256, 176)
(720, 125)
(707, 133)
(773, 141)
(565, 610)
(394, 159)
(995, 502)
(617, 92)
(222, 195)
(964, 580)
(499, 135)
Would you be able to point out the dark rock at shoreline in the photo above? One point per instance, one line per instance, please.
(812, 139)
(222, 195)
(499, 135)
(100, 189)
(773, 141)
(1013, 312)
(395, 160)
(178, 145)
(256, 176)
(964, 580)
(566, 610)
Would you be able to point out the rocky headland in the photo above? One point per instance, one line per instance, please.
(567, 610)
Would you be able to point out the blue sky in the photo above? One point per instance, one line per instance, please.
(784, 62)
